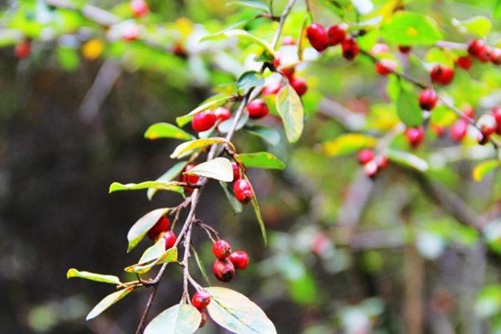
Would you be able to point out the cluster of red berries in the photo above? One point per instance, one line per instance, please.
(242, 188)
(372, 164)
(207, 119)
(321, 38)
(227, 260)
(288, 71)
(161, 230)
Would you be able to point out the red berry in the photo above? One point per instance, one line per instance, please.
(139, 8)
(317, 35)
(442, 75)
(385, 66)
(257, 109)
(495, 56)
(236, 171)
(469, 112)
(496, 112)
(203, 121)
(299, 85)
(336, 34)
(243, 191)
(350, 48)
(381, 161)
(221, 249)
(161, 225)
(415, 136)
(170, 239)
(224, 270)
(272, 89)
(191, 179)
(465, 62)
(371, 169)
(240, 259)
(222, 114)
(404, 49)
(365, 155)
(478, 49)
(288, 40)
(22, 50)
(428, 99)
(459, 129)
(288, 71)
(487, 124)
(200, 299)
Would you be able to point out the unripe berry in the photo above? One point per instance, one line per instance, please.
(236, 171)
(495, 56)
(222, 114)
(365, 155)
(299, 85)
(22, 50)
(221, 249)
(385, 66)
(317, 35)
(240, 259)
(139, 8)
(442, 75)
(203, 121)
(160, 226)
(170, 239)
(200, 299)
(224, 270)
(336, 34)
(478, 49)
(459, 129)
(428, 99)
(464, 62)
(257, 109)
(415, 136)
(350, 48)
(243, 191)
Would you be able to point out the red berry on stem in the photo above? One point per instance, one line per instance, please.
(336, 34)
(496, 112)
(459, 129)
(495, 56)
(221, 249)
(385, 66)
(224, 270)
(428, 99)
(203, 121)
(170, 239)
(415, 136)
(299, 85)
(288, 71)
(236, 171)
(404, 49)
(240, 259)
(487, 124)
(222, 113)
(139, 8)
(160, 226)
(200, 299)
(22, 49)
(271, 89)
(257, 109)
(442, 75)
(243, 191)
(465, 62)
(191, 179)
(478, 49)
(365, 155)
(350, 48)
(317, 35)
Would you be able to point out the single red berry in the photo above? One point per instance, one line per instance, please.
(191, 179)
(221, 249)
(468, 112)
(224, 270)
(385, 66)
(428, 99)
(236, 171)
(170, 239)
(350, 48)
(22, 49)
(203, 121)
(257, 109)
(161, 225)
(130, 33)
(336, 34)
(496, 112)
(204, 320)
(222, 113)
(179, 50)
(478, 49)
(381, 161)
(404, 49)
(299, 84)
(317, 35)
(288, 71)
(243, 191)
(139, 8)
(459, 129)
(487, 124)
(271, 89)
(365, 155)
(465, 62)
(371, 169)
(380, 48)
(240, 259)
(495, 56)
(442, 75)
(415, 136)
(200, 299)
(288, 40)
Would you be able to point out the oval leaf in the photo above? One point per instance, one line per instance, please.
(214, 101)
(348, 143)
(235, 204)
(218, 168)
(157, 185)
(108, 301)
(166, 130)
(477, 25)
(249, 80)
(260, 160)
(406, 28)
(290, 108)
(271, 136)
(143, 225)
(484, 168)
(244, 35)
(408, 108)
(178, 319)
(110, 279)
(194, 144)
(407, 159)
(237, 313)
(154, 257)
(169, 175)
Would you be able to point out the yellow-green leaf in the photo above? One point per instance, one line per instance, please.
(177, 319)
(166, 130)
(290, 108)
(260, 160)
(169, 175)
(213, 102)
(110, 279)
(348, 143)
(143, 225)
(107, 301)
(478, 25)
(195, 144)
(153, 256)
(244, 35)
(157, 185)
(219, 169)
(484, 168)
(259, 217)
(408, 28)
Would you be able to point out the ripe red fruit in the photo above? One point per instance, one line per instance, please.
(487, 124)
(469, 112)
(203, 121)
(465, 62)
(221, 249)
(404, 49)
(336, 34)
(224, 270)
(442, 75)
(415, 136)
(365, 155)
(381, 161)
(478, 49)
(22, 50)
(350, 48)
(288, 71)
(240, 259)
(299, 85)
(200, 299)
(170, 239)
(371, 169)
(161, 225)
(222, 114)
(317, 35)
(271, 89)
(459, 130)
(257, 109)
(243, 191)
(495, 56)
(191, 179)
(385, 66)
(236, 171)
(496, 112)
(139, 8)
(428, 99)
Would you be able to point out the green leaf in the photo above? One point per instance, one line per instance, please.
(250, 79)
(252, 4)
(237, 313)
(259, 217)
(169, 175)
(271, 136)
(241, 34)
(260, 160)
(290, 108)
(218, 168)
(107, 301)
(407, 28)
(143, 225)
(178, 319)
(484, 168)
(479, 26)
(166, 130)
(408, 107)
(443, 116)
(157, 185)
(408, 160)
(347, 144)
(200, 265)
(212, 102)
(110, 279)
(235, 204)
(153, 256)
(153, 252)
(194, 144)
(68, 58)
